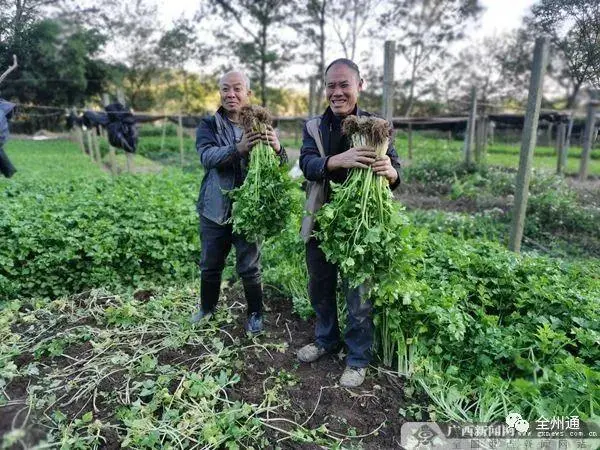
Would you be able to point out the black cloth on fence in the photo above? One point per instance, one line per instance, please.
(93, 119)
(122, 132)
(6, 109)
(73, 120)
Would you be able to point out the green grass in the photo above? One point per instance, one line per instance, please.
(504, 155)
(49, 160)
(140, 164)
(546, 163)
(171, 143)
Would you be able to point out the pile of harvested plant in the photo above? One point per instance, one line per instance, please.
(262, 205)
(361, 228)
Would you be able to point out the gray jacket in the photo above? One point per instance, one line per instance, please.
(224, 167)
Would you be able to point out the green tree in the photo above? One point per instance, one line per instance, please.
(479, 65)
(423, 31)
(350, 22)
(574, 29)
(310, 25)
(254, 33)
(177, 47)
(136, 34)
(55, 64)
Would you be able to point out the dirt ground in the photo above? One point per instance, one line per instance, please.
(312, 397)
(316, 398)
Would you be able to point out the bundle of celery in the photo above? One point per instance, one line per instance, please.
(262, 205)
(362, 228)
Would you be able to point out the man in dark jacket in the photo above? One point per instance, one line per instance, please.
(6, 167)
(343, 84)
(224, 149)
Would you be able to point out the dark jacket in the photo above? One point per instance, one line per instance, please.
(224, 167)
(314, 166)
(6, 109)
(6, 167)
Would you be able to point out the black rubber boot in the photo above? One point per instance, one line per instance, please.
(209, 297)
(253, 292)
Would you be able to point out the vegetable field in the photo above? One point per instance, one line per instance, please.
(98, 277)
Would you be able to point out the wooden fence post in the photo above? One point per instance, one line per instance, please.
(387, 100)
(90, 147)
(588, 142)
(486, 132)
(480, 137)
(112, 154)
(164, 132)
(561, 148)
(78, 131)
(540, 60)
(410, 142)
(129, 156)
(180, 135)
(549, 133)
(96, 146)
(471, 126)
(312, 88)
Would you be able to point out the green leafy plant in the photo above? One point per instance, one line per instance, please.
(362, 228)
(262, 205)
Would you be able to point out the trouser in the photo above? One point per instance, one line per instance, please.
(322, 285)
(216, 241)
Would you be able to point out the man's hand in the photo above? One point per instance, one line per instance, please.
(270, 137)
(361, 157)
(248, 141)
(251, 139)
(383, 167)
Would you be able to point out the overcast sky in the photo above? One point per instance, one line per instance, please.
(502, 15)
(499, 16)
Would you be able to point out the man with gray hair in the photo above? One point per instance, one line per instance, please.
(224, 149)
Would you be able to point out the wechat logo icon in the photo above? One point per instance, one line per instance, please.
(514, 420)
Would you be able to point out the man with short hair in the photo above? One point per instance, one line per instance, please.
(343, 85)
(224, 149)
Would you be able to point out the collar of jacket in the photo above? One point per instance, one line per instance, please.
(224, 125)
(328, 114)
(326, 120)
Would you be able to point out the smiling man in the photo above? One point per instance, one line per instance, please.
(327, 156)
(224, 149)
